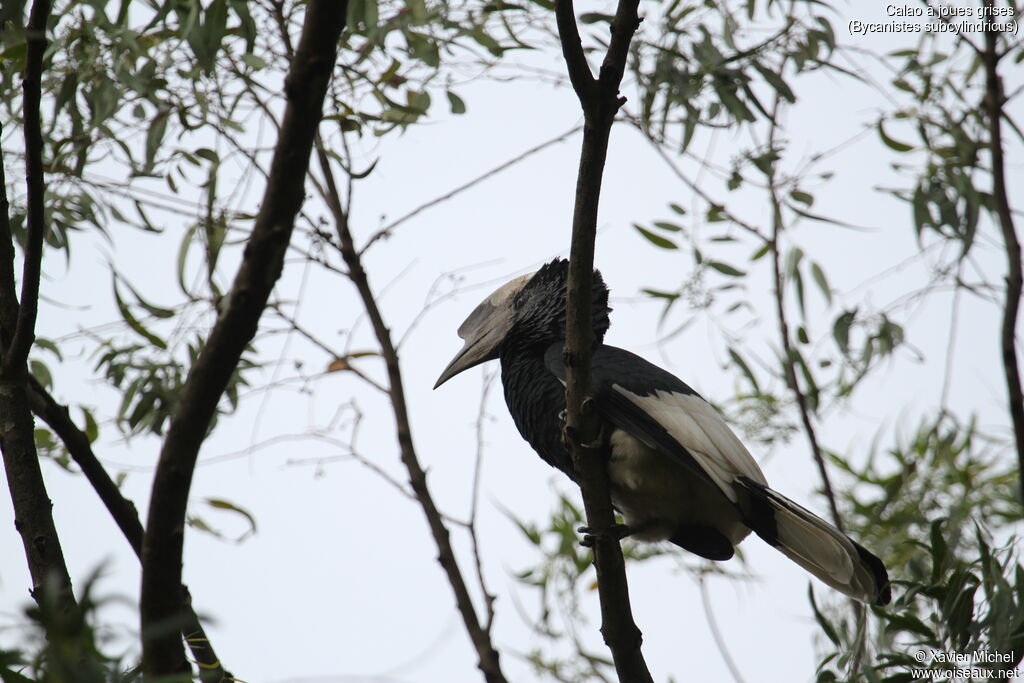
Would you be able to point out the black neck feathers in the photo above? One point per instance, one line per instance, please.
(540, 310)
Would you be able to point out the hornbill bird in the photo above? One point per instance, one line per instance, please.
(677, 471)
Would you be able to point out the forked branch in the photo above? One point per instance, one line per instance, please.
(487, 654)
(51, 583)
(600, 101)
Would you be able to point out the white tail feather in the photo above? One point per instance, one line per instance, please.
(819, 547)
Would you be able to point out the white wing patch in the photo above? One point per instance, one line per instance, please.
(698, 428)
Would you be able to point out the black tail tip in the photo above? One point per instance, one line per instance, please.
(883, 589)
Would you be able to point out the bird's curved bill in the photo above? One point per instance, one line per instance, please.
(484, 329)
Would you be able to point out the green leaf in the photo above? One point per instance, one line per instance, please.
(742, 365)
(664, 225)
(208, 154)
(798, 285)
(726, 269)
(133, 322)
(154, 137)
(456, 103)
(819, 277)
(938, 549)
(803, 197)
(825, 624)
(45, 343)
(371, 15)
(889, 142)
(841, 330)
(716, 214)
(910, 623)
(656, 240)
(92, 430)
(775, 80)
(41, 373)
(222, 504)
(254, 62)
(793, 259)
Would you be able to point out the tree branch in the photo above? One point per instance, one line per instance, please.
(788, 352)
(600, 102)
(487, 656)
(122, 510)
(994, 101)
(572, 50)
(305, 88)
(16, 354)
(33, 517)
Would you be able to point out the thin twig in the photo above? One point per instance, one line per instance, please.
(474, 539)
(789, 354)
(487, 656)
(387, 229)
(716, 634)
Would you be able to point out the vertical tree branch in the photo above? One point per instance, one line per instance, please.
(33, 518)
(600, 102)
(16, 353)
(994, 100)
(305, 86)
(487, 656)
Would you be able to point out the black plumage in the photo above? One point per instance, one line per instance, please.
(677, 471)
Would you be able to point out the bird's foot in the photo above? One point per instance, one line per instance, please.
(616, 531)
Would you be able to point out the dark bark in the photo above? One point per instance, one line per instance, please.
(487, 656)
(600, 101)
(305, 87)
(33, 518)
(994, 100)
(124, 513)
(16, 352)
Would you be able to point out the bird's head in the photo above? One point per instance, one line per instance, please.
(528, 312)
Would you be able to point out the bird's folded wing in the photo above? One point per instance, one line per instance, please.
(665, 414)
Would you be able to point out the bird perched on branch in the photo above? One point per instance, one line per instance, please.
(677, 471)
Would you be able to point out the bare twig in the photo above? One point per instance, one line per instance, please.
(387, 229)
(33, 518)
(305, 87)
(487, 655)
(716, 634)
(994, 101)
(789, 354)
(600, 101)
(481, 418)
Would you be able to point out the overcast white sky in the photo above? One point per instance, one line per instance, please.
(340, 582)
